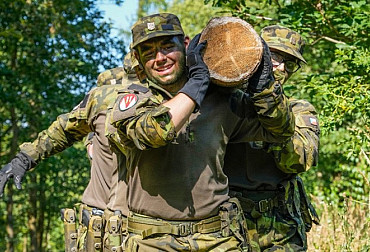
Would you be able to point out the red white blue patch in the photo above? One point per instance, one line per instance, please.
(127, 101)
(313, 121)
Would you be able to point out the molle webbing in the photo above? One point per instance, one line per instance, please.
(115, 230)
(70, 231)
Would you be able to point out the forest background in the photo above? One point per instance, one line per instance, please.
(52, 51)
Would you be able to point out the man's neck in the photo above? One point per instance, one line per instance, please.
(174, 88)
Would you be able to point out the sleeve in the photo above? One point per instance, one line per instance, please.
(274, 112)
(301, 151)
(62, 133)
(264, 116)
(141, 120)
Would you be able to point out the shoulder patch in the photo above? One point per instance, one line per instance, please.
(127, 101)
(310, 120)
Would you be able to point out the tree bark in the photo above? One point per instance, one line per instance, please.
(32, 213)
(41, 212)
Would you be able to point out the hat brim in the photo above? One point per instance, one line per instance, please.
(156, 35)
(288, 51)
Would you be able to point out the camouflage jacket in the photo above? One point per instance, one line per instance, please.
(75, 125)
(179, 175)
(263, 166)
(301, 151)
(86, 118)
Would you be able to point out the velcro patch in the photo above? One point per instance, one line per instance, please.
(138, 88)
(308, 121)
(167, 27)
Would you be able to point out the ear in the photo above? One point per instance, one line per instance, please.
(186, 41)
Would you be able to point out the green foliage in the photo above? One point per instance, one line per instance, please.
(336, 80)
(186, 10)
(146, 7)
(190, 10)
(50, 55)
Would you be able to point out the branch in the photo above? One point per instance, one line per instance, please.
(328, 39)
(366, 158)
(260, 17)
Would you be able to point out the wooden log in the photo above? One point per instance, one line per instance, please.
(234, 50)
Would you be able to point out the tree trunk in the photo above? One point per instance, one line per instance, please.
(41, 213)
(32, 213)
(9, 219)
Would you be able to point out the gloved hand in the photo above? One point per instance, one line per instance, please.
(16, 169)
(241, 104)
(197, 85)
(263, 77)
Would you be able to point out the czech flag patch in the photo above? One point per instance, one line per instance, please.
(127, 101)
(313, 121)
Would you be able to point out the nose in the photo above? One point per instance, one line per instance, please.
(160, 56)
(280, 67)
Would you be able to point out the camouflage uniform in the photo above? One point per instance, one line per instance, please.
(177, 192)
(273, 198)
(86, 118)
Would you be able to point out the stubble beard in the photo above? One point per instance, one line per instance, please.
(178, 77)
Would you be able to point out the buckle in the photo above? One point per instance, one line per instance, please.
(185, 229)
(97, 212)
(263, 205)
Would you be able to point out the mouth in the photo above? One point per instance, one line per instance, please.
(165, 70)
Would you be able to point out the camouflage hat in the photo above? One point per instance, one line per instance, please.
(285, 40)
(156, 25)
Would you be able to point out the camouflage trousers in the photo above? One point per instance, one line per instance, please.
(277, 220)
(223, 232)
(195, 242)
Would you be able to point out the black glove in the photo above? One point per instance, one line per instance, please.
(241, 104)
(263, 77)
(16, 169)
(197, 85)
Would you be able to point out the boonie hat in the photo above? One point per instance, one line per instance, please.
(156, 25)
(284, 39)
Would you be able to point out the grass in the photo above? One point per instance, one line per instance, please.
(341, 229)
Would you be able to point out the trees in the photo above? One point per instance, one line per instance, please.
(336, 80)
(51, 52)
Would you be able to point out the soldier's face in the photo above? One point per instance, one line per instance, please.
(163, 59)
(279, 60)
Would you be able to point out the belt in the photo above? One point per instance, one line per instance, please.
(249, 200)
(261, 206)
(147, 226)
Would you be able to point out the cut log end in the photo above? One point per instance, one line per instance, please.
(233, 52)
